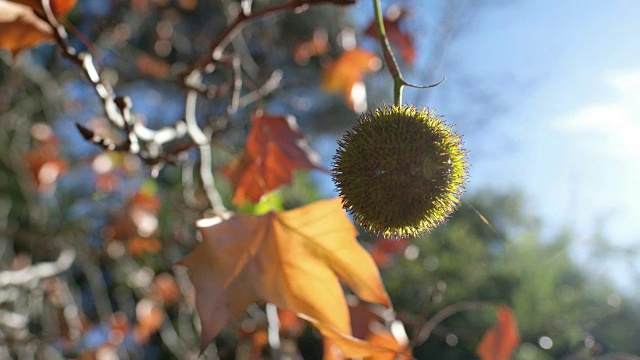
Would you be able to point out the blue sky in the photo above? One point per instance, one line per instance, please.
(574, 128)
(566, 75)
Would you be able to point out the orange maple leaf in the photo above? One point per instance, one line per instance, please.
(275, 148)
(60, 7)
(345, 75)
(386, 339)
(294, 259)
(501, 341)
(151, 66)
(138, 246)
(150, 315)
(317, 45)
(21, 28)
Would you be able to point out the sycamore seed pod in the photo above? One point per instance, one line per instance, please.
(400, 171)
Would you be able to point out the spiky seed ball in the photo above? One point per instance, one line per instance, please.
(400, 171)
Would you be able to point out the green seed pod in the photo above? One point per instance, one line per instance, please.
(400, 171)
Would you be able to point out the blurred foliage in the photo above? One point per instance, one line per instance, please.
(506, 261)
(121, 295)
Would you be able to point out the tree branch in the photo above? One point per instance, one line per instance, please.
(442, 315)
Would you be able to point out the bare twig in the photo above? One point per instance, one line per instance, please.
(390, 59)
(434, 297)
(217, 46)
(141, 140)
(204, 145)
(29, 276)
(273, 330)
(148, 143)
(268, 87)
(442, 315)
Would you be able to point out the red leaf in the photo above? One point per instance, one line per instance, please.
(501, 341)
(44, 159)
(385, 248)
(397, 37)
(275, 148)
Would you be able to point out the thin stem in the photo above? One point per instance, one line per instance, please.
(389, 58)
(273, 330)
(397, 92)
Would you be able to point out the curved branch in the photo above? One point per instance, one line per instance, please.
(442, 315)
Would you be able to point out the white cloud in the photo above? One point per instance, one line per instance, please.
(613, 126)
(625, 81)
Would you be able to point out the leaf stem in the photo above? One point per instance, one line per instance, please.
(389, 58)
